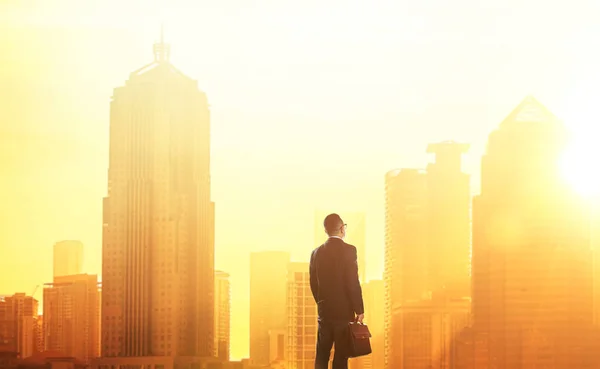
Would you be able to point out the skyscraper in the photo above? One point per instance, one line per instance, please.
(532, 272)
(268, 304)
(68, 258)
(18, 324)
(301, 317)
(158, 221)
(449, 221)
(71, 310)
(356, 235)
(222, 315)
(428, 245)
(405, 274)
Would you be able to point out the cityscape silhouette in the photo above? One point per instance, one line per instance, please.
(166, 169)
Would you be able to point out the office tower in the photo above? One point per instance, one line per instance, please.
(428, 331)
(222, 315)
(428, 243)
(68, 258)
(277, 339)
(449, 221)
(268, 304)
(302, 318)
(40, 342)
(532, 272)
(405, 273)
(18, 324)
(158, 220)
(355, 235)
(71, 310)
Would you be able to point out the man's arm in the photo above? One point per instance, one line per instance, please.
(352, 282)
(314, 282)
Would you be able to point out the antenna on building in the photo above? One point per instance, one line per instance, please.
(162, 51)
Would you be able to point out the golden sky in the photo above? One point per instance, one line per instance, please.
(312, 102)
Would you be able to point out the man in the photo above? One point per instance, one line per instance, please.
(337, 292)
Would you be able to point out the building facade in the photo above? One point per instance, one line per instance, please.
(158, 220)
(222, 315)
(268, 303)
(428, 241)
(532, 261)
(71, 316)
(301, 317)
(18, 325)
(68, 258)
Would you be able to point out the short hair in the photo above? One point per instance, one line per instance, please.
(332, 223)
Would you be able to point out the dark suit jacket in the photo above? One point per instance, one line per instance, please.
(334, 281)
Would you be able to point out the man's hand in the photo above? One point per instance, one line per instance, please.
(360, 318)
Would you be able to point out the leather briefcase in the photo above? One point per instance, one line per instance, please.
(359, 337)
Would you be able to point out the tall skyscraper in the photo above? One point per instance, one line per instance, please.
(532, 272)
(158, 221)
(356, 235)
(405, 274)
(268, 304)
(71, 311)
(302, 318)
(68, 258)
(222, 315)
(428, 243)
(18, 324)
(449, 221)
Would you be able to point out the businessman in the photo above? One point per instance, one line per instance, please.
(337, 292)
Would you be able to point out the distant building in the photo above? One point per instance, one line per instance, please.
(268, 304)
(68, 258)
(532, 257)
(429, 329)
(158, 218)
(356, 235)
(222, 315)
(71, 311)
(302, 318)
(18, 325)
(50, 360)
(428, 238)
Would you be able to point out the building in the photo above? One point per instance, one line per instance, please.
(277, 342)
(405, 273)
(532, 261)
(222, 315)
(71, 312)
(429, 329)
(158, 218)
(428, 241)
(302, 318)
(356, 235)
(50, 360)
(18, 325)
(268, 304)
(449, 221)
(68, 258)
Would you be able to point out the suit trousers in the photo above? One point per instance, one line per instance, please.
(330, 333)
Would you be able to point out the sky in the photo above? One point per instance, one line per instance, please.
(312, 103)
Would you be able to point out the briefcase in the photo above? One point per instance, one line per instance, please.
(360, 344)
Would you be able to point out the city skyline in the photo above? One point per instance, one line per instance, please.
(61, 147)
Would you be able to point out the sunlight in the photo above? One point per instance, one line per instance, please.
(579, 163)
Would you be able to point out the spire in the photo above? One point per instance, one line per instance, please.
(162, 51)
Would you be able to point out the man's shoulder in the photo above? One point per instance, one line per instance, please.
(350, 247)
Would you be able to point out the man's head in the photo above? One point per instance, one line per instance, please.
(334, 226)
